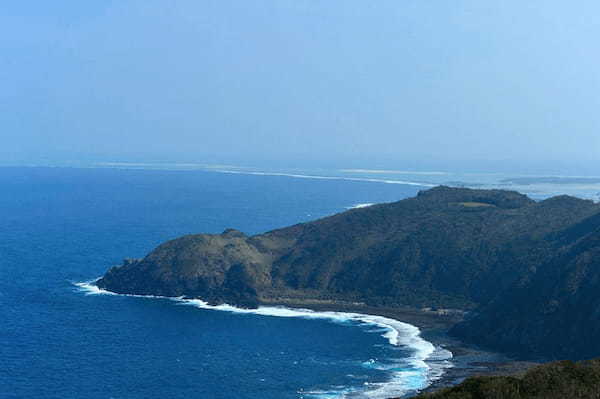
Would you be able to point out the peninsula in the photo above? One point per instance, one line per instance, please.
(525, 273)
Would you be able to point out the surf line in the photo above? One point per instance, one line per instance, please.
(301, 176)
(425, 365)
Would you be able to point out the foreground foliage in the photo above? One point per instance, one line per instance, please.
(558, 380)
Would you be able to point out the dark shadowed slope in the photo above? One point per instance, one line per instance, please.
(554, 313)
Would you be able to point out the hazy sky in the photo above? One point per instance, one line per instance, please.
(247, 80)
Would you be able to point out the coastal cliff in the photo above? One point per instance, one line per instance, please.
(493, 253)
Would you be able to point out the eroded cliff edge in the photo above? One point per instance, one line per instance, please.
(481, 250)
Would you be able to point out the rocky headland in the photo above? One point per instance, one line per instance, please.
(503, 271)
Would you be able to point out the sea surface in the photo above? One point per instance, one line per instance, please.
(61, 228)
(58, 339)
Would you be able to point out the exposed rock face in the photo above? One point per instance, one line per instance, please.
(212, 267)
(448, 247)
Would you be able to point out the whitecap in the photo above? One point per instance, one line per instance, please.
(425, 364)
(320, 177)
(395, 172)
(89, 288)
(358, 206)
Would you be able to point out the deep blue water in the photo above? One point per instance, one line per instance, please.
(59, 226)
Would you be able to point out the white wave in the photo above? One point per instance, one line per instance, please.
(89, 288)
(415, 373)
(165, 165)
(231, 169)
(330, 394)
(426, 363)
(396, 332)
(395, 172)
(358, 206)
(300, 176)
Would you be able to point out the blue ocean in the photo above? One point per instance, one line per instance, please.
(62, 227)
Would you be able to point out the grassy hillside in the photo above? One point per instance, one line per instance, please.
(558, 304)
(527, 270)
(559, 380)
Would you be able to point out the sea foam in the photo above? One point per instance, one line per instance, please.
(425, 364)
(358, 206)
(89, 288)
(319, 177)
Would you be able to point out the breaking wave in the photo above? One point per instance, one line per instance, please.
(358, 206)
(319, 177)
(425, 364)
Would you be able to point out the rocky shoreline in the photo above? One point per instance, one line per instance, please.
(434, 325)
(525, 269)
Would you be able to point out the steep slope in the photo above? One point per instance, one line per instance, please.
(450, 247)
(217, 268)
(523, 265)
(556, 312)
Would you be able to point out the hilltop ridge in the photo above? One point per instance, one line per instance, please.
(484, 251)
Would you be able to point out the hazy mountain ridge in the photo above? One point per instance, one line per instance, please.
(495, 251)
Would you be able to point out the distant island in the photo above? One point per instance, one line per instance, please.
(518, 276)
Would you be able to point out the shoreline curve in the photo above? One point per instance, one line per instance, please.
(427, 363)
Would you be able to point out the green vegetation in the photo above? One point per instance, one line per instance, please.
(528, 271)
(559, 380)
(553, 312)
(474, 204)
